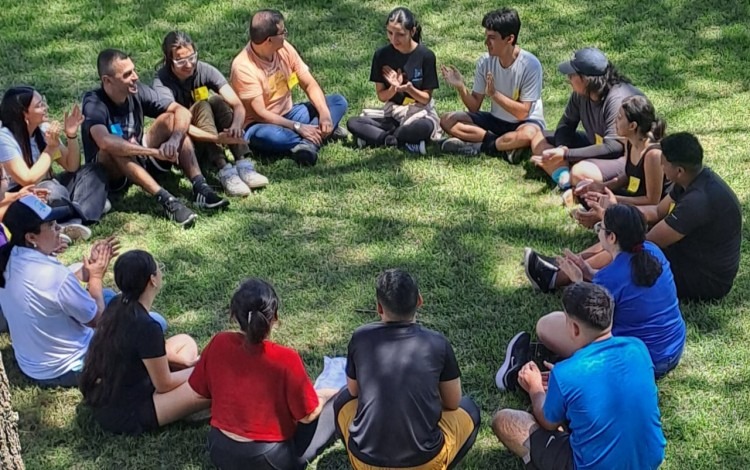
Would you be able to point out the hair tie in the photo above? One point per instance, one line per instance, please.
(249, 315)
(638, 248)
(125, 300)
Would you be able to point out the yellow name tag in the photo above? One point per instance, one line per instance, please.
(633, 184)
(408, 100)
(200, 94)
(516, 94)
(671, 208)
(56, 155)
(598, 140)
(293, 80)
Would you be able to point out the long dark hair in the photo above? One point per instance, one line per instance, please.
(255, 306)
(16, 239)
(16, 102)
(405, 18)
(638, 109)
(174, 40)
(600, 85)
(630, 227)
(102, 374)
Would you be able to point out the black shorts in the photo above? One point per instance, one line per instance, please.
(550, 450)
(497, 126)
(153, 166)
(131, 418)
(693, 283)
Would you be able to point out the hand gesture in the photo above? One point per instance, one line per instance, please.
(52, 137)
(311, 133)
(72, 121)
(587, 272)
(570, 269)
(452, 76)
(393, 78)
(599, 202)
(325, 126)
(530, 378)
(98, 267)
(169, 151)
(585, 186)
(489, 87)
(586, 218)
(231, 137)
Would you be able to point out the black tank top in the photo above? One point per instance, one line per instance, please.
(635, 185)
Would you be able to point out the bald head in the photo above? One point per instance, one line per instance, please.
(264, 24)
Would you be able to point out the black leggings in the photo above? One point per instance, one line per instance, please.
(308, 442)
(375, 130)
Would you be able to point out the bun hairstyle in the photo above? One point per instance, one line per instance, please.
(255, 306)
(638, 109)
(405, 18)
(630, 227)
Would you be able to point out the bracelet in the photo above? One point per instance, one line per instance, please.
(71, 138)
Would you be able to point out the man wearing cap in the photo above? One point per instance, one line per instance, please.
(512, 79)
(698, 226)
(569, 156)
(113, 135)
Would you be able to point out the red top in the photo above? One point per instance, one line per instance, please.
(258, 391)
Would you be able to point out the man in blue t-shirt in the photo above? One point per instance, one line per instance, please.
(605, 396)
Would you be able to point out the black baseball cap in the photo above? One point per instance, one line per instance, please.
(588, 61)
(28, 213)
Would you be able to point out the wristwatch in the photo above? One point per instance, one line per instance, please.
(297, 126)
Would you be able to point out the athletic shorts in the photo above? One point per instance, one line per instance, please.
(133, 418)
(550, 450)
(489, 122)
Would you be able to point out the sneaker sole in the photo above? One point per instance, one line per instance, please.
(526, 255)
(505, 368)
(218, 205)
(77, 232)
(187, 222)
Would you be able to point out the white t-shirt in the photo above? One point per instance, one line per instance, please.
(46, 309)
(521, 81)
(11, 149)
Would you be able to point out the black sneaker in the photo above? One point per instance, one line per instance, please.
(539, 272)
(540, 353)
(177, 212)
(305, 154)
(206, 198)
(517, 355)
(517, 155)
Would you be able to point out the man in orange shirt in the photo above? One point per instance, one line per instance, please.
(263, 75)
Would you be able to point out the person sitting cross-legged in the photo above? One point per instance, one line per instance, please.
(263, 75)
(511, 78)
(403, 405)
(604, 395)
(217, 119)
(113, 135)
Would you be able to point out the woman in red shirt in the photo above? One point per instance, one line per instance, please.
(265, 413)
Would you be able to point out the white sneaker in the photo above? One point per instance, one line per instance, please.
(419, 148)
(75, 230)
(249, 176)
(231, 182)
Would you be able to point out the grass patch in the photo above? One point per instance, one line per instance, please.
(321, 235)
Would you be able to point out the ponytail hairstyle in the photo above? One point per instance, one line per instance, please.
(15, 103)
(602, 84)
(255, 306)
(638, 109)
(174, 40)
(405, 18)
(630, 227)
(102, 377)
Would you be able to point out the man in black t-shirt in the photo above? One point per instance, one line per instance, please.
(113, 135)
(698, 225)
(403, 405)
(217, 118)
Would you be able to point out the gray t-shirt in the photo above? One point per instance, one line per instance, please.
(521, 81)
(204, 79)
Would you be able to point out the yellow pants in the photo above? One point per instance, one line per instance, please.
(456, 425)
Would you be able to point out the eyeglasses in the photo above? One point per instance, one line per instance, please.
(161, 267)
(284, 33)
(191, 59)
(42, 103)
(598, 228)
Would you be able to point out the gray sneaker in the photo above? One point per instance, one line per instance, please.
(248, 175)
(231, 182)
(75, 230)
(454, 145)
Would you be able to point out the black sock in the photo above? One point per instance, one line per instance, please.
(488, 144)
(162, 195)
(198, 181)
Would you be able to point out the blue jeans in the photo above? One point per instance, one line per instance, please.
(663, 367)
(273, 139)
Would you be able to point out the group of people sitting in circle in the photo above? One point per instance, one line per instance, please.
(667, 228)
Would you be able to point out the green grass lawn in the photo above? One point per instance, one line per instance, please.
(322, 235)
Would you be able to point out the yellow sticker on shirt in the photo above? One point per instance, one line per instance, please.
(293, 81)
(671, 208)
(408, 101)
(278, 86)
(200, 94)
(598, 140)
(633, 184)
(516, 94)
